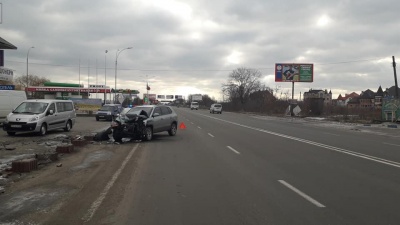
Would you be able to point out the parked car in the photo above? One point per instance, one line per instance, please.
(160, 118)
(40, 116)
(108, 112)
(216, 108)
(9, 100)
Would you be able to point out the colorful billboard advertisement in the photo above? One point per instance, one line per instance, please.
(294, 72)
(87, 104)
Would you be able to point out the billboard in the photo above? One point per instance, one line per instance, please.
(197, 97)
(87, 104)
(6, 74)
(294, 72)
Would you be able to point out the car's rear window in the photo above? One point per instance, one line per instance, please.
(195, 103)
(217, 106)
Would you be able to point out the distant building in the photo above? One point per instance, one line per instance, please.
(319, 94)
(343, 101)
(367, 100)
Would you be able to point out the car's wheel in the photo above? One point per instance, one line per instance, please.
(43, 130)
(220, 112)
(10, 133)
(172, 130)
(117, 135)
(149, 134)
(68, 126)
(97, 118)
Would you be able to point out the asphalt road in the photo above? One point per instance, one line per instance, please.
(238, 169)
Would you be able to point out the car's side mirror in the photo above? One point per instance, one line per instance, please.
(156, 114)
(50, 112)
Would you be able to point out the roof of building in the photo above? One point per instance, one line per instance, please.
(6, 45)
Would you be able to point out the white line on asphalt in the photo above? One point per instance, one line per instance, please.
(332, 148)
(191, 122)
(199, 128)
(96, 204)
(210, 135)
(302, 194)
(233, 150)
(390, 144)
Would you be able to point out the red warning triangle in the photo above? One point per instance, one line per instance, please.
(182, 126)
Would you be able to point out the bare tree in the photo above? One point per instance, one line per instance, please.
(33, 81)
(241, 83)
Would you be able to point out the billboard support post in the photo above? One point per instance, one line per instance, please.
(291, 103)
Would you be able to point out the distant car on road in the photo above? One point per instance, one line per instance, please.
(160, 118)
(216, 108)
(108, 111)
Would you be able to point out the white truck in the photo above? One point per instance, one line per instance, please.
(9, 100)
(194, 105)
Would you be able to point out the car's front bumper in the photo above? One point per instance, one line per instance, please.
(19, 127)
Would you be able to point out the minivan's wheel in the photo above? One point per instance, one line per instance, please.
(148, 134)
(43, 130)
(117, 135)
(68, 126)
(97, 118)
(10, 133)
(172, 130)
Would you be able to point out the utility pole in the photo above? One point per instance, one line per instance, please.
(395, 78)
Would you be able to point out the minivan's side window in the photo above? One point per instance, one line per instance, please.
(60, 107)
(52, 107)
(68, 106)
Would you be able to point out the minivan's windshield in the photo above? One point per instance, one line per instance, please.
(195, 103)
(31, 107)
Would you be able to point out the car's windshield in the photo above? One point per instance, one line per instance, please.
(31, 107)
(195, 103)
(217, 106)
(137, 110)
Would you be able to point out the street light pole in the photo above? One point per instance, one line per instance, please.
(116, 64)
(105, 76)
(27, 67)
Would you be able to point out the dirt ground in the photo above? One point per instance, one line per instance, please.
(30, 145)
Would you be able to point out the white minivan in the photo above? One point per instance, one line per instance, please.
(9, 100)
(41, 115)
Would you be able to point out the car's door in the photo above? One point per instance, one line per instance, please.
(51, 119)
(157, 120)
(167, 116)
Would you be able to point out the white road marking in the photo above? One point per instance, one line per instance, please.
(96, 204)
(332, 148)
(233, 150)
(302, 194)
(199, 128)
(191, 122)
(210, 135)
(390, 144)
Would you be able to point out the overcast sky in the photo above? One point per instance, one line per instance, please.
(191, 46)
